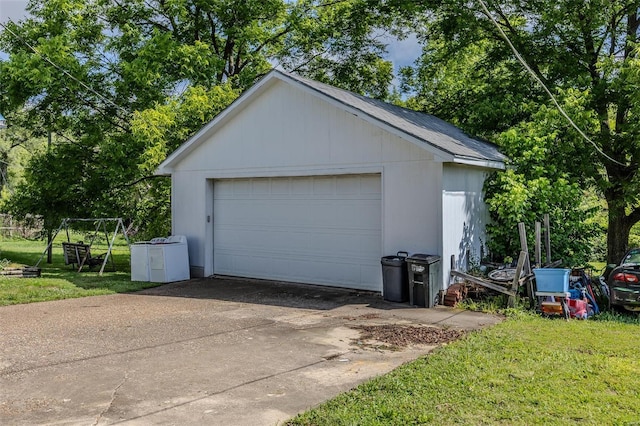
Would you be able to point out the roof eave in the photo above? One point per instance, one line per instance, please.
(162, 170)
(478, 162)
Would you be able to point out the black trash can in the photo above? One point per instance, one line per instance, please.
(423, 272)
(395, 285)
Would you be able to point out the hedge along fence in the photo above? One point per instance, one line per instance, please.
(30, 227)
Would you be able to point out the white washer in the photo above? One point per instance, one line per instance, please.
(169, 260)
(140, 261)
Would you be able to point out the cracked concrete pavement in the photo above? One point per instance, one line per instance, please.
(207, 351)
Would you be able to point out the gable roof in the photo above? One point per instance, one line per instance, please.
(443, 139)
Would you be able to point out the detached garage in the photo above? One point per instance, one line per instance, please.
(300, 181)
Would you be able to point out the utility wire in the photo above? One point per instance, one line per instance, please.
(535, 76)
(59, 68)
(62, 70)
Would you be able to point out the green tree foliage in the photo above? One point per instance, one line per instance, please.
(17, 144)
(586, 53)
(339, 43)
(121, 84)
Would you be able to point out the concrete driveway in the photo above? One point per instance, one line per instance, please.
(209, 351)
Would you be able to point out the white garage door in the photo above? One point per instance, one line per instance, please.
(319, 230)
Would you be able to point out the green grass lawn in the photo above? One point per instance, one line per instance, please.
(526, 371)
(59, 281)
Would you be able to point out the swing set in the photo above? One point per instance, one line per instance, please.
(80, 253)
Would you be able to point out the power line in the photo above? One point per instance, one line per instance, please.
(544, 86)
(62, 70)
(65, 72)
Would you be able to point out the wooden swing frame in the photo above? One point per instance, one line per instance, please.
(100, 225)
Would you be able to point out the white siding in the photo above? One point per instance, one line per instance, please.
(289, 132)
(189, 210)
(289, 129)
(464, 216)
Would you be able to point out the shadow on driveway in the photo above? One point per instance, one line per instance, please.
(264, 292)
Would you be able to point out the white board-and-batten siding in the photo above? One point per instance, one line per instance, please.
(288, 132)
(465, 216)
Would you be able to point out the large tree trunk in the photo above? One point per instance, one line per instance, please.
(617, 232)
(621, 216)
(617, 239)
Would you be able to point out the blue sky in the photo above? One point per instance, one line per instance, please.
(13, 9)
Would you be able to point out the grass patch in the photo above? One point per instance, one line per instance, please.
(59, 281)
(527, 370)
(597, 267)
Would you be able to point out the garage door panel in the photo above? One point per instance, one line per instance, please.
(280, 186)
(346, 245)
(370, 248)
(368, 186)
(317, 270)
(315, 214)
(352, 214)
(321, 230)
(336, 244)
(301, 186)
(240, 187)
(261, 186)
(371, 273)
(350, 187)
(324, 186)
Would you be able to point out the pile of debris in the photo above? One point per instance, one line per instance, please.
(552, 290)
(404, 335)
(455, 294)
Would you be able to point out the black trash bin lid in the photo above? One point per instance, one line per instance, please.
(393, 260)
(423, 258)
(397, 260)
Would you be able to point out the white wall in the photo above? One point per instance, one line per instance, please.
(465, 216)
(189, 210)
(289, 132)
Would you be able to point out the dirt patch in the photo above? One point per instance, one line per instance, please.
(401, 336)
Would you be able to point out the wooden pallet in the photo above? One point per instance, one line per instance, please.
(26, 272)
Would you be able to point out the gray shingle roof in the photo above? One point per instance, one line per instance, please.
(427, 128)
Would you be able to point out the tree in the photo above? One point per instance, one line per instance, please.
(120, 84)
(586, 54)
(17, 144)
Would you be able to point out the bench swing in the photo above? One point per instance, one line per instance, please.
(78, 254)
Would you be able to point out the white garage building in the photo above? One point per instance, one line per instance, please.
(300, 181)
